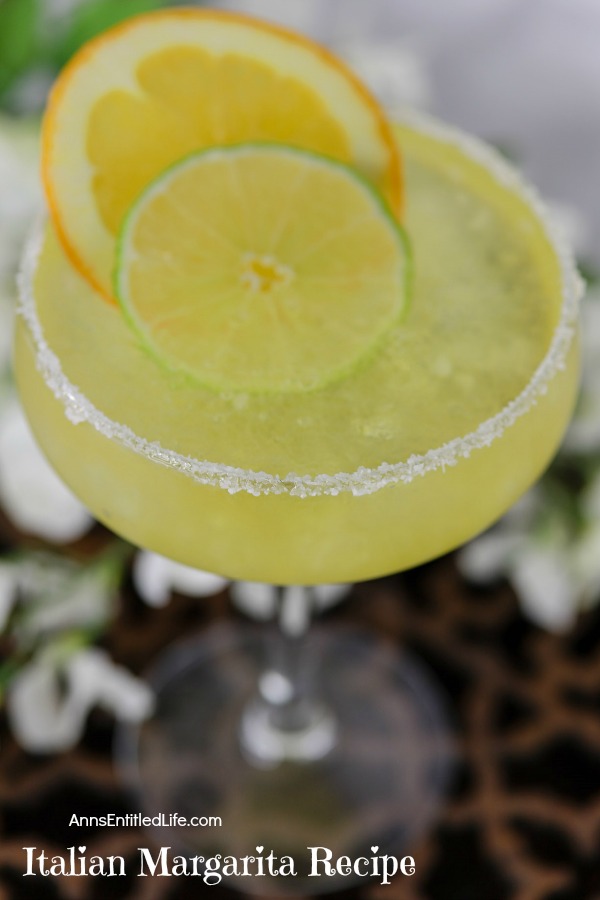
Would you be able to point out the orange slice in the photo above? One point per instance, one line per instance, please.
(151, 91)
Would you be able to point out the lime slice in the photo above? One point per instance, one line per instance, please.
(261, 268)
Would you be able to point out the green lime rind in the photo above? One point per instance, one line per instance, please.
(218, 385)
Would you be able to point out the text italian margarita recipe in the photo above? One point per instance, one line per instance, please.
(162, 863)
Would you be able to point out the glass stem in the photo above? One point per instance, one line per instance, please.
(285, 720)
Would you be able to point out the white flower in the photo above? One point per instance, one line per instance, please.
(540, 567)
(522, 514)
(255, 599)
(156, 577)
(261, 601)
(572, 223)
(49, 700)
(548, 593)
(488, 557)
(31, 493)
(491, 555)
(327, 595)
(56, 594)
(584, 433)
(61, 595)
(555, 574)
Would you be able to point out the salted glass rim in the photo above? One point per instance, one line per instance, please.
(363, 480)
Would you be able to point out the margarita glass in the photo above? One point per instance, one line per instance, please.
(401, 461)
(340, 467)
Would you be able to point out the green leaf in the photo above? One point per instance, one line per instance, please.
(94, 17)
(19, 21)
(508, 151)
(589, 273)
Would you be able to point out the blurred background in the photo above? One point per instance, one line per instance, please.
(511, 623)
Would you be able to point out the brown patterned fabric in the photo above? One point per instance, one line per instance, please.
(522, 821)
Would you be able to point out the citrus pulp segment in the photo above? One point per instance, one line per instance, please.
(261, 268)
(163, 85)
